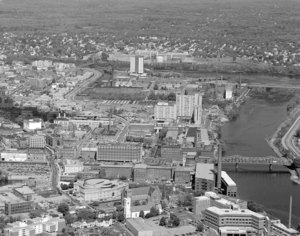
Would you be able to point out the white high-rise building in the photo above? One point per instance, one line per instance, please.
(165, 111)
(140, 65)
(189, 105)
(198, 109)
(132, 64)
(137, 65)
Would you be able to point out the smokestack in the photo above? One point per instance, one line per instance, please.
(219, 167)
(290, 212)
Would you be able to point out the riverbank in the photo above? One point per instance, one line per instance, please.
(275, 140)
(258, 119)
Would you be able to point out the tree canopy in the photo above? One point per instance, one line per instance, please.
(63, 208)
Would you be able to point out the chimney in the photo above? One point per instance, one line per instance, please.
(219, 167)
(290, 212)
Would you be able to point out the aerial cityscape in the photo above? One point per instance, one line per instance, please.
(150, 118)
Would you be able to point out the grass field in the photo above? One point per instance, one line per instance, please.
(206, 19)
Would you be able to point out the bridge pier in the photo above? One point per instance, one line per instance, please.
(270, 168)
(236, 166)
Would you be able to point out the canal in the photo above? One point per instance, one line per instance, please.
(258, 119)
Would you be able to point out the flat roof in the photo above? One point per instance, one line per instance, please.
(227, 179)
(204, 136)
(234, 212)
(24, 190)
(205, 171)
(139, 224)
(172, 134)
(9, 197)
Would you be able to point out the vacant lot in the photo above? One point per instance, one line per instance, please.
(240, 19)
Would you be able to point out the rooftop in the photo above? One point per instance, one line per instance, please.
(204, 136)
(227, 179)
(139, 224)
(140, 191)
(10, 197)
(205, 171)
(24, 190)
(234, 212)
(101, 183)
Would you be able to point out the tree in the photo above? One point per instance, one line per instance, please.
(35, 213)
(136, 203)
(253, 206)
(155, 87)
(86, 214)
(185, 200)
(154, 211)
(200, 227)
(142, 214)
(120, 217)
(163, 205)
(63, 208)
(174, 220)
(152, 96)
(163, 221)
(171, 97)
(69, 218)
(104, 56)
(64, 187)
(114, 215)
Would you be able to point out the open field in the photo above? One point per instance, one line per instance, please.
(239, 19)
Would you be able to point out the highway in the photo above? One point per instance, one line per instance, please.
(288, 139)
(96, 75)
(55, 169)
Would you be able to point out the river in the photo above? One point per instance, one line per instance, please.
(246, 135)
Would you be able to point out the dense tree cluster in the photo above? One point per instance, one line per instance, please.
(253, 206)
(161, 96)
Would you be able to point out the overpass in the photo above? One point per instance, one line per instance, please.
(268, 160)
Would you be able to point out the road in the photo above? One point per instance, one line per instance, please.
(55, 169)
(86, 137)
(96, 75)
(288, 139)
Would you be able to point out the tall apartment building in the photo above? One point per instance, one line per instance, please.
(165, 111)
(120, 152)
(137, 65)
(204, 177)
(189, 105)
(37, 141)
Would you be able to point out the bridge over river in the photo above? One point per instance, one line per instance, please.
(268, 160)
